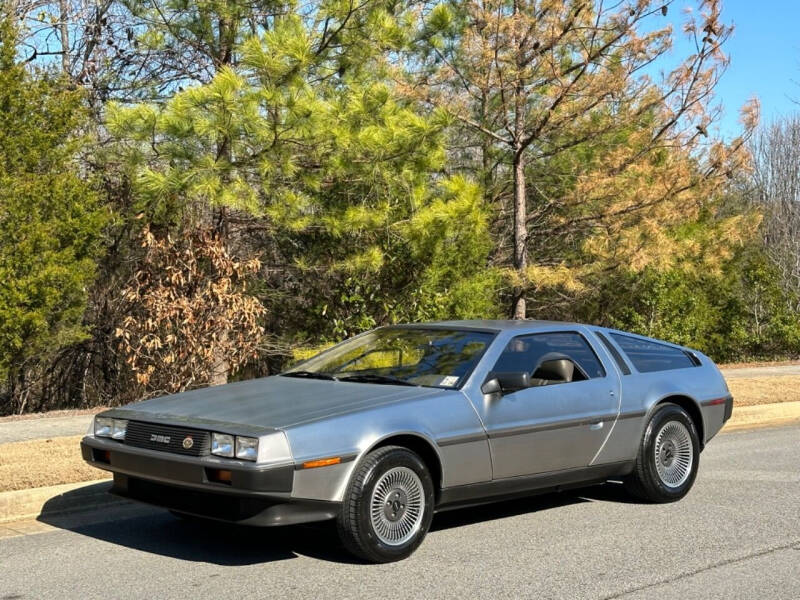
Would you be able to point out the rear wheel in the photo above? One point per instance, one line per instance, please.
(669, 454)
(388, 506)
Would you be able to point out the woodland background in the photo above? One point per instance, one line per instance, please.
(198, 191)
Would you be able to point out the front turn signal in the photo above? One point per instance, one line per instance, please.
(322, 462)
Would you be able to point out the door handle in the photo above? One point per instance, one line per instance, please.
(596, 426)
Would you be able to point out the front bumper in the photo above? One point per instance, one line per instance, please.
(255, 494)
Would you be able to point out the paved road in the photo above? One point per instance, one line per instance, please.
(737, 535)
(42, 428)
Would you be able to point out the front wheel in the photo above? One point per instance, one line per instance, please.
(388, 506)
(669, 454)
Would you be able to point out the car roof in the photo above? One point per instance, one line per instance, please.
(495, 324)
(527, 325)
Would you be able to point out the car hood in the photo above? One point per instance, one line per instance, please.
(268, 403)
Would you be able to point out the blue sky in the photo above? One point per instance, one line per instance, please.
(765, 56)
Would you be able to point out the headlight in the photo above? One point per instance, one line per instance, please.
(111, 428)
(222, 444)
(103, 426)
(120, 426)
(246, 448)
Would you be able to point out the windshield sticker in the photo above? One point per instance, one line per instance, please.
(449, 381)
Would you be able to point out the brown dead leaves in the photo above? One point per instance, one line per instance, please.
(187, 310)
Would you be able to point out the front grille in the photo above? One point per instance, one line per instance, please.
(167, 438)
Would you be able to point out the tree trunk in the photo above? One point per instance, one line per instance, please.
(486, 148)
(219, 372)
(224, 58)
(64, 33)
(520, 203)
(227, 28)
(520, 232)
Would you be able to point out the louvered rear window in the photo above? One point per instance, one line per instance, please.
(649, 357)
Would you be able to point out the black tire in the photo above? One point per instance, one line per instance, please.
(355, 525)
(646, 482)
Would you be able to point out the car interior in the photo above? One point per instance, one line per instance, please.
(546, 365)
(556, 367)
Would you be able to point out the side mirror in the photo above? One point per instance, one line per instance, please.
(491, 386)
(506, 383)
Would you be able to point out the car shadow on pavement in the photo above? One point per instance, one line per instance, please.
(158, 532)
(502, 510)
(155, 531)
(608, 492)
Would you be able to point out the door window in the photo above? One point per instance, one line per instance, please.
(527, 352)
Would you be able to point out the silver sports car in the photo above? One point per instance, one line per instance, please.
(386, 428)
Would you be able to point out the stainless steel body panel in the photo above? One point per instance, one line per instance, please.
(547, 428)
(437, 419)
(642, 392)
(273, 402)
(475, 440)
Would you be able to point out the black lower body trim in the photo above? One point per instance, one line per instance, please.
(513, 487)
(184, 470)
(244, 510)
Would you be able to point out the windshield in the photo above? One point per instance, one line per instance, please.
(441, 358)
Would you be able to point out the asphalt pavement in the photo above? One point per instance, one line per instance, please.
(42, 428)
(736, 535)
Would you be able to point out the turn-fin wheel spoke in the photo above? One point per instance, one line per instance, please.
(674, 454)
(397, 506)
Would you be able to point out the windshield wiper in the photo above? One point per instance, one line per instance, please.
(373, 378)
(310, 375)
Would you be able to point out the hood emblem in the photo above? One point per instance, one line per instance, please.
(188, 442)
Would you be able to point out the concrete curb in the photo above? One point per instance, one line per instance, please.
(70, 497)
(74, 497)
(763, 415)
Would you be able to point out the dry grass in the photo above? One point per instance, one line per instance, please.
(755, 363)
(38, 463)
(749, 391)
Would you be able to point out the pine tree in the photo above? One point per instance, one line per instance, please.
(329, 177)
(597, 164)
(50, 219)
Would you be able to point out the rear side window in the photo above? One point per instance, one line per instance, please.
(525, 352)
(649, 357)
